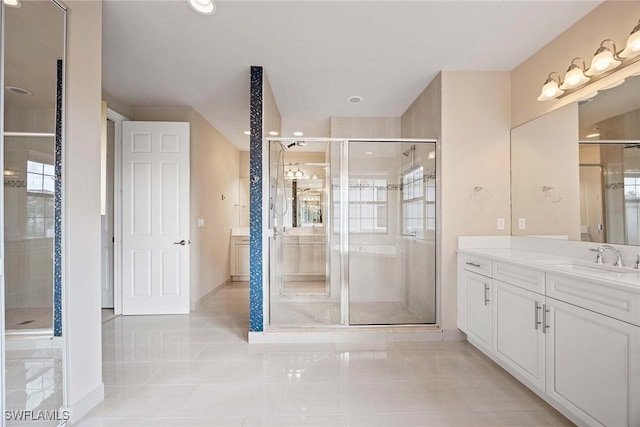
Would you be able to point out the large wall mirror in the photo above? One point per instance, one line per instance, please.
(34, 50)
(576, 170)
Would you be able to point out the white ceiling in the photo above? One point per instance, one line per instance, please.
(315, 53)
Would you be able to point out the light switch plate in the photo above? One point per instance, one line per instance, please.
(500, 224)
(200, 222)
(522, 223)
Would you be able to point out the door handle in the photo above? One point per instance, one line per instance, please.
(544, 318)
(486, 296)
(537, 321)
(182, 242)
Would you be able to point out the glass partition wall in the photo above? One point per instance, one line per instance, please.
(33, 53)
(354, 227)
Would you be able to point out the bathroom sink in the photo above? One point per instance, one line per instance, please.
(600, 269)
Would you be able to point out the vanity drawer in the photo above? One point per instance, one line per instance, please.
(595, 296)
(522, 277)
(476, 264)
(242, 240)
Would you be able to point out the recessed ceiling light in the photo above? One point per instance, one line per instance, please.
(13, 3)
(273, 133)
(18, 90)
(355, 99)
(595, 133)
(203, 7)
(368, 153)
(247, 132)
(298, 133)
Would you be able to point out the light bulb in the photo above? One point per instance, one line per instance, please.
(602, 64)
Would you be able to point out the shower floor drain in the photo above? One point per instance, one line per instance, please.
(26, 322)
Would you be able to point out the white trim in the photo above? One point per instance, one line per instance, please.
(82, 408)
(63, 217)
(117, 120)
(2, 290)
(266, 232)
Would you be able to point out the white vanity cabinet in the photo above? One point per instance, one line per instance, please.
(304, 255)
(239, 258)
(573, 340)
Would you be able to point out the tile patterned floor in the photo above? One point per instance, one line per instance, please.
(198, 370)
(33, 375)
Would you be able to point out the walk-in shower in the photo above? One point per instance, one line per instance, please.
(353, 232)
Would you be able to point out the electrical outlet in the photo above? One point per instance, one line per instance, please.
(522, 223)
(200, 222)
(500, 224)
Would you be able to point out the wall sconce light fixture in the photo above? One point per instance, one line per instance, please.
(551, 88)
(605, 60)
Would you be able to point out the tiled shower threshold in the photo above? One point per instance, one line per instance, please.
(339, 333)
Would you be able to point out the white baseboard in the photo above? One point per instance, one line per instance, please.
(197, 303)
(83, 407)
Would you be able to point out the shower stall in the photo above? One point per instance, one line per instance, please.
(352, 232)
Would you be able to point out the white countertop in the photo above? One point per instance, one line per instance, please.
(629, 280)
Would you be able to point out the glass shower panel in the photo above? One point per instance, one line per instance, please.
(29, 231)
(392, 222)
(304, 287)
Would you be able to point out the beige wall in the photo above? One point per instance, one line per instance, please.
(214, 174)
(612, 19)
(475, 153)
(423, 118)
(271, 119)
(545, 153)
(81, 257)
(469, 155)
(365, 127)
(117, 105)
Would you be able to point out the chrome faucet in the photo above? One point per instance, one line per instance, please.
(600, 260)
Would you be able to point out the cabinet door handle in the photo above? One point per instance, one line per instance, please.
(473, 264)
(537, 321)
(544, 318)
(486, 294)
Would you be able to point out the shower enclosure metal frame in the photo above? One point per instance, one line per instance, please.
(268, 232)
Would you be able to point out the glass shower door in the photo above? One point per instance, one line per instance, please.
(305, 287)
(392, 213)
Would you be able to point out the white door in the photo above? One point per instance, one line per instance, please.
(478, 293)
(593, 366)
(108, 235)
(518, 337)
(155, 218)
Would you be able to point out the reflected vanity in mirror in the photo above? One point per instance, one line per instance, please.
(34, 49)
(304, 177)
(587, 157)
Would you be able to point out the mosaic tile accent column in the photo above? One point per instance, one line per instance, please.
(57, 206)
(255, 211)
